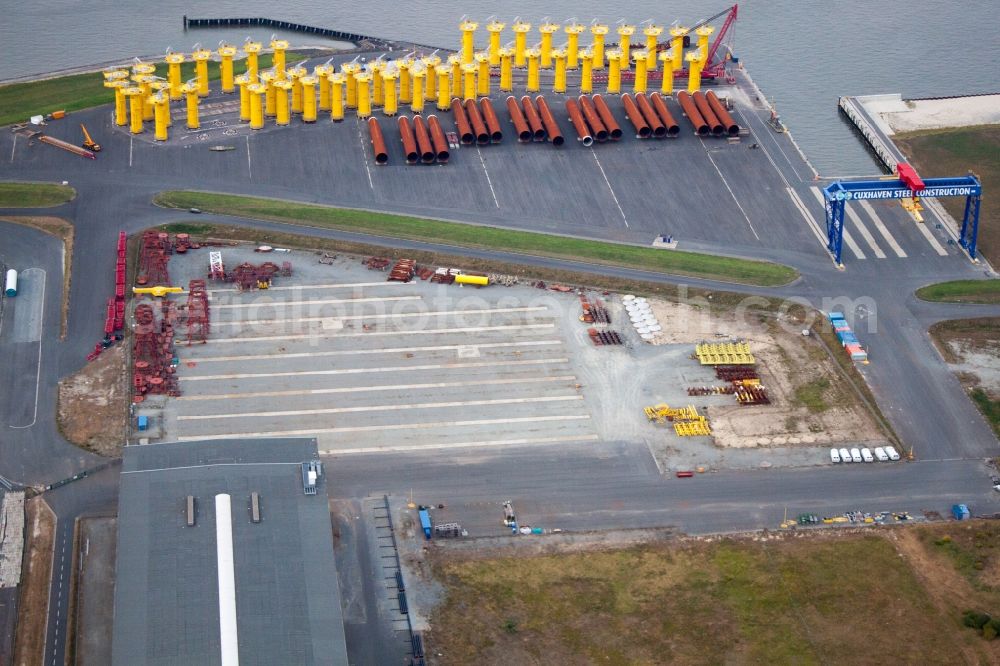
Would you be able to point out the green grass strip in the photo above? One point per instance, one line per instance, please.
(962, 291)
(692, 264)
(34, 195)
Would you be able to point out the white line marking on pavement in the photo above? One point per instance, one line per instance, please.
(307, 287)
(356, 352)
(399, 315)
(922, 227)
(458, 445)
(277, 304)
(12, 147)
(610, 189)
(421, 332)
(848, 238)
(382, 408)
(731, 193)
(398, 426)
(354, 371)
(364, 155)
(889, 238)
(130, 140)
(249, 168)
(41, 338)
(853, 215)
(488, 179)
(810, 220)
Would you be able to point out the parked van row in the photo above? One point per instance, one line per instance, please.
(856, 455)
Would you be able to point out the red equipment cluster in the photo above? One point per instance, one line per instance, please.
(114, 320)
(153, 352)
(153, 257)
(197, 312)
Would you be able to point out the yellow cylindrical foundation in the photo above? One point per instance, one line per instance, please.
(390, 102)
(337, 82)
(322, 74)
(144, 81)
(227, 53)
(174, 61)
(267, 78)
(598, 32)
(456, 75)
(495, 28)
(242, 81)
(121, 104)
(252, 49)
(506, 70)
(483, 75)
(278, 61)
(281, 93)
(559, 58)
(695, 65)
(533, 56)
(419, 75)
(468, 29)
(573, 31)
(545, 50)
(363, 82)
(158, 87)
(652, 33)
(667, 82)
(469, 78)
(586, 71)
(430, 85)
(308, 84)
(378, 85)
(614, 71)
(350, 69)
(134, 95)
(639, 84)
(295, 75)
(625, 33)
(704, 33)
(521, 30)
(201, 58)
(405, 81)
(443, 73)
(257, 92)
(190, 91)
(161, 104)
(677, 35)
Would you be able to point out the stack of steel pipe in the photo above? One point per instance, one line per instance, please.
(378, 142)
(476, 120)
(549, 121)
(490, 118)
(708, 114)
(607, 118)
(673, 129)
(438, 140)
(534, 122)
(720, 112)
(590, 115)
(462, 122)
(642, 129)
(423, 140)
(691, 111)
(655, 124)
(579, 124)
(409, 141)
(517, 119)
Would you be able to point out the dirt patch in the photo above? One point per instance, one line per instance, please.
(92, 409)
(63, 230)
(29, 640)
(972, 348)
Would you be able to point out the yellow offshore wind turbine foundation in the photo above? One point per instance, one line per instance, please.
(704, 33)
(390, 100)
(545, 51)
(405, 80)
(495, 28)
(337, 83)
(267, 79)
(614, 71)
(573, 31)
(145, 83)
(201, 58)
(443, 87)
(350, 69)
(625, 33)
(280, 46)
(559, 60)
(483, 75)
(242, 81)
(281, 89)
(295, 75)
(641, 77)
(599, 32)
(667, 80)
(117, 80)
(190, 91)
(257, 92)
(134, 95)
(469, 79)
(378, 85)
(419, 74)
(174, 61)
(695, 65)
(586, 71)
(506, 70)
(468, 29)
(308, 83)
(362, 92)
(227, 53)
(521, 30)
(533, 55)
(161, 115)
(455, 62)
(652, 33)
(677, 35)
(159, 86)
(322, 74)
(431, 63)
(252, 49)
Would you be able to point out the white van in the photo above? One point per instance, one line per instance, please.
(891, 452)
(834, 456)
(866, 454)
(855, 455)
(881, 454)
(845, 455)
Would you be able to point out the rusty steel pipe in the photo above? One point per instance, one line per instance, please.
(476, 120)
(423, 140)
(708, 114)
(646, 109)
(632, 112)
(462, 122)
(437, 139)
(579, 124)
(534, 122)
(664, 113)
(590, 115)
(409, 142)
(490, 117)
(691, 111)
(517, 119)
(607, 118)
(551, 126)
(720, 112)
(378, 142)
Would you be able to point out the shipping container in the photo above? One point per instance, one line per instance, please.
(425, 523)
(836, 315)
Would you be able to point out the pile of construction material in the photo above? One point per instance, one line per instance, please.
(724, 353)
(687, 422)
(642, 317)
(153, 352)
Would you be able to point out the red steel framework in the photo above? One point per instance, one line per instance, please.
(197, 312)
(153, 257)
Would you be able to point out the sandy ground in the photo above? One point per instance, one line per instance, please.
(29, 642)
(910, 115)
(91, 404)
(982, 362)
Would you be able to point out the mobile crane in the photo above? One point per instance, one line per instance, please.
(89, 143)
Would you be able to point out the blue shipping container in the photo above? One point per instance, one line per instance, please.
(425, 523)
(836, 315)
(143, 422)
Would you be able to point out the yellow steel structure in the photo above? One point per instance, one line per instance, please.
(378, 90)
(533, 55)
(201, 58)
(390, 101)
(134, 94)
(161, 104)
(614, 71)
(506, 70)
(121, 104)
(483, 75)
(704, 32)
(662, 413)
(443, 87)
(521, 30)
(547, 30)
(337, 82)
(252, 49)
(469, 79)
(573, 31)
(174, 61)
(692, 428)
(456, 75)
(599, 31)
(145, 82)
(724, 353)
(362, 81)
(667, 82)
(586, 71)
(322, 74)
(405, 87)
(227, 53)
(625, 33)
(160, 86)
(295, 75)
(495, 28)
(278, 61)
(652, 33)
(242, 81)
(308, 84)
(559, 58)
(190, 91)
(158, 291)
(281, 89)
(350, 69)
(419, 75)
(430, 85)
(677, 34)
(257, 92)
(478, 280)
(639, 84)
(468, 29)
(695, 65)
(268, 78)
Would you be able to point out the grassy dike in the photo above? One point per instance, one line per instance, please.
(691, 264)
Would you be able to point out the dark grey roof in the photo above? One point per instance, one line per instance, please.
(166, 596)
